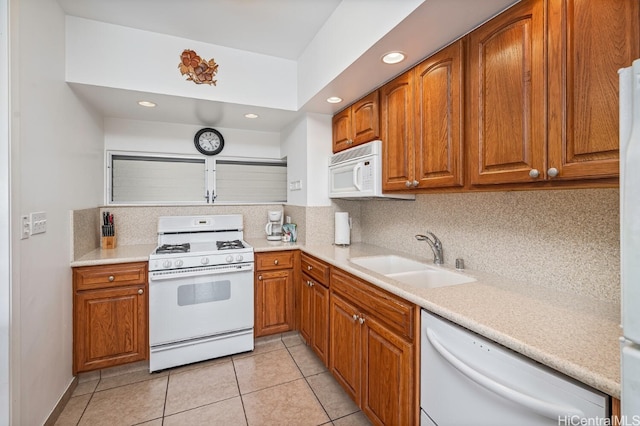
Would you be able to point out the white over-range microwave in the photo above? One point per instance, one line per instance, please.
(357, 173)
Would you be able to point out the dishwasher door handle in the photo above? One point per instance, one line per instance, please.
(544, 408)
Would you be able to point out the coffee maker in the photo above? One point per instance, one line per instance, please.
(274, 226)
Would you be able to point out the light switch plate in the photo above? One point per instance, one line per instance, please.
(25, 227)
(38, 223)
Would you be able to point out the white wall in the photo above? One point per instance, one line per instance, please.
(115, 56)
(149, 136)
(57, 152)
(5, 237)
(307, 146)
(319, 148)
(294, 147)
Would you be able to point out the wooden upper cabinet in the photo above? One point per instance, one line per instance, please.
(358, 124)
(439, 141)
(506, 137)
(588, 42)
(396, 115)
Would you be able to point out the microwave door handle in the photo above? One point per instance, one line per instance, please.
(356, 183)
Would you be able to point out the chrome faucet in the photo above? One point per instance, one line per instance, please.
(435, 244)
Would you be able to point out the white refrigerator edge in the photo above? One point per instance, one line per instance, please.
(630, 241)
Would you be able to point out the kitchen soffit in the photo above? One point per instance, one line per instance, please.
(262, 27)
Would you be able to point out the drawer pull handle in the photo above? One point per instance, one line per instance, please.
(111, 278)
(275, 262)
(141, 291)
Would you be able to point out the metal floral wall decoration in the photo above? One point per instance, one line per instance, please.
(197, 69)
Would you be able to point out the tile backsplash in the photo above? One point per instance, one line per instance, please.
(566, 239)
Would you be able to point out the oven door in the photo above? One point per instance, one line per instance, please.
(199, 303)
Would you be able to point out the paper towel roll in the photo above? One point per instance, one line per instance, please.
(343, 229)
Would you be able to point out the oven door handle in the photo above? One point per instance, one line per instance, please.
(199, 271)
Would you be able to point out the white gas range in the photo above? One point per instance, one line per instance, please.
(200, 290)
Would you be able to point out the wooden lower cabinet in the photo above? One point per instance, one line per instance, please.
(387, 370)
(274, 308)
(110, 306)
(314, 321)
(274, 300)
(372, 361)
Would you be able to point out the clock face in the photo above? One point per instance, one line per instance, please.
(209, 141)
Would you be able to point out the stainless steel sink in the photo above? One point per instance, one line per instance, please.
(411, 271)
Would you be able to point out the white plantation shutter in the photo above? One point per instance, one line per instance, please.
(141, 179)
(249, 181)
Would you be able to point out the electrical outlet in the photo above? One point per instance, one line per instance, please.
(25, 227)
(38, 223)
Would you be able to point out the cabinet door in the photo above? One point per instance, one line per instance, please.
(274, 302)
(588, 42)
(387, 375)
(342, 132)
(306, 310)
(320, 341)
(439, 126)
(110, 327)
(507, 96)
(396, 103)
(365, 120)
(344, 347)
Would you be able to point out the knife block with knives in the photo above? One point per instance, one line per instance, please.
(108, 231)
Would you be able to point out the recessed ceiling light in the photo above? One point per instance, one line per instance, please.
(251, 115)
(393, 57)
(147, 104)
(334, 100)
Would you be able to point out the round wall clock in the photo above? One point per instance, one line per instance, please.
(209, 141)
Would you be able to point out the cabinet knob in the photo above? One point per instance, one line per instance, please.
(309, 268)
(141, 291)
(361, 319)
(260, 277)
(111, 278)
(552, 172)
(355, 317)
(415, 183)
(407, 184)
(534, 173)
(349, 142)
(275, 262)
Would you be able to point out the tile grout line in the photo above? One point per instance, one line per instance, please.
(235, 373)
(309, 384)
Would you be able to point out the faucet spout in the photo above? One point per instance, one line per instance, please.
(435, 244)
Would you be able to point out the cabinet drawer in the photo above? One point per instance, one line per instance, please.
(274, 260)
(105, 276)
(387, 308)
(315, 268)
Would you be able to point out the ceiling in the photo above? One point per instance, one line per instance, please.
(281, 28)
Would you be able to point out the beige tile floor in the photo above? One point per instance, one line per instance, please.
(281, 382)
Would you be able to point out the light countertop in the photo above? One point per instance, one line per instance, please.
(575, 335)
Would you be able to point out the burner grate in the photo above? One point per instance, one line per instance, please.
(229, 245)
(174, 248)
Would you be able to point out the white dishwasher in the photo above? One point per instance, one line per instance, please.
(468, 380)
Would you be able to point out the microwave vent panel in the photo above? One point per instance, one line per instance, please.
(353, 153)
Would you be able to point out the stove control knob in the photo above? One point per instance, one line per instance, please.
(239, 258)
(166, 264)
(179, 263)
(204, 260)
(229, 259)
